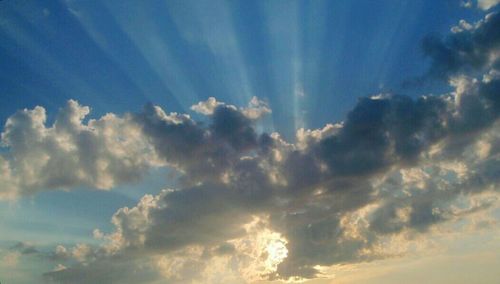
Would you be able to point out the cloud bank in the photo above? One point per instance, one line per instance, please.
(253, 206)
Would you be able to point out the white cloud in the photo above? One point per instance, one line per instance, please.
(256, 108)
(207, 107)
(487, 4)
(100, 154)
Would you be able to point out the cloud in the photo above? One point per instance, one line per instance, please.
(24, 248)
(204, 152)
(469, 48)
(397, 165)
(252, 206)
(101, 153)
(207, 107)
(120, 271)
(113, 150)
(487, 4)
(256, 108)
(481, 4)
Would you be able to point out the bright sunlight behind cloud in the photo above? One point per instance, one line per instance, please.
(400, 177)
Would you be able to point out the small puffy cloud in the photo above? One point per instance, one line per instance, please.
(256, 108)
(207, 107)
(466, 3)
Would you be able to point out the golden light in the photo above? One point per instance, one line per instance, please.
(276, 251)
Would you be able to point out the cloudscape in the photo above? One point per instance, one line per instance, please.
(250, 141)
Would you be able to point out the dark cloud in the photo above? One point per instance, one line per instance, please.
(204, 152)
(469, 48)
(232, 127)
(379, 132)
(104, 271)
(234, 174)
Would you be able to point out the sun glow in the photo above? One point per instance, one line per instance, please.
(276, 251)
(265, 246)
(249, 259)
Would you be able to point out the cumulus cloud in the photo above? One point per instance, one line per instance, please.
(202, 152)
(396, 164)
(116, 149)
(469, 48)
(252, 206)
(100, 153)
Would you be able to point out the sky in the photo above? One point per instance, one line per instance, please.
(249, 141)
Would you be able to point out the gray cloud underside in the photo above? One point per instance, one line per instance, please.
(409, 159)
(468, 48)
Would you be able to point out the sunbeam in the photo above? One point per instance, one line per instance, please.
(249, 142)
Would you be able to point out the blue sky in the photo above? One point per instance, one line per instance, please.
(308, 63)
(117, 56)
